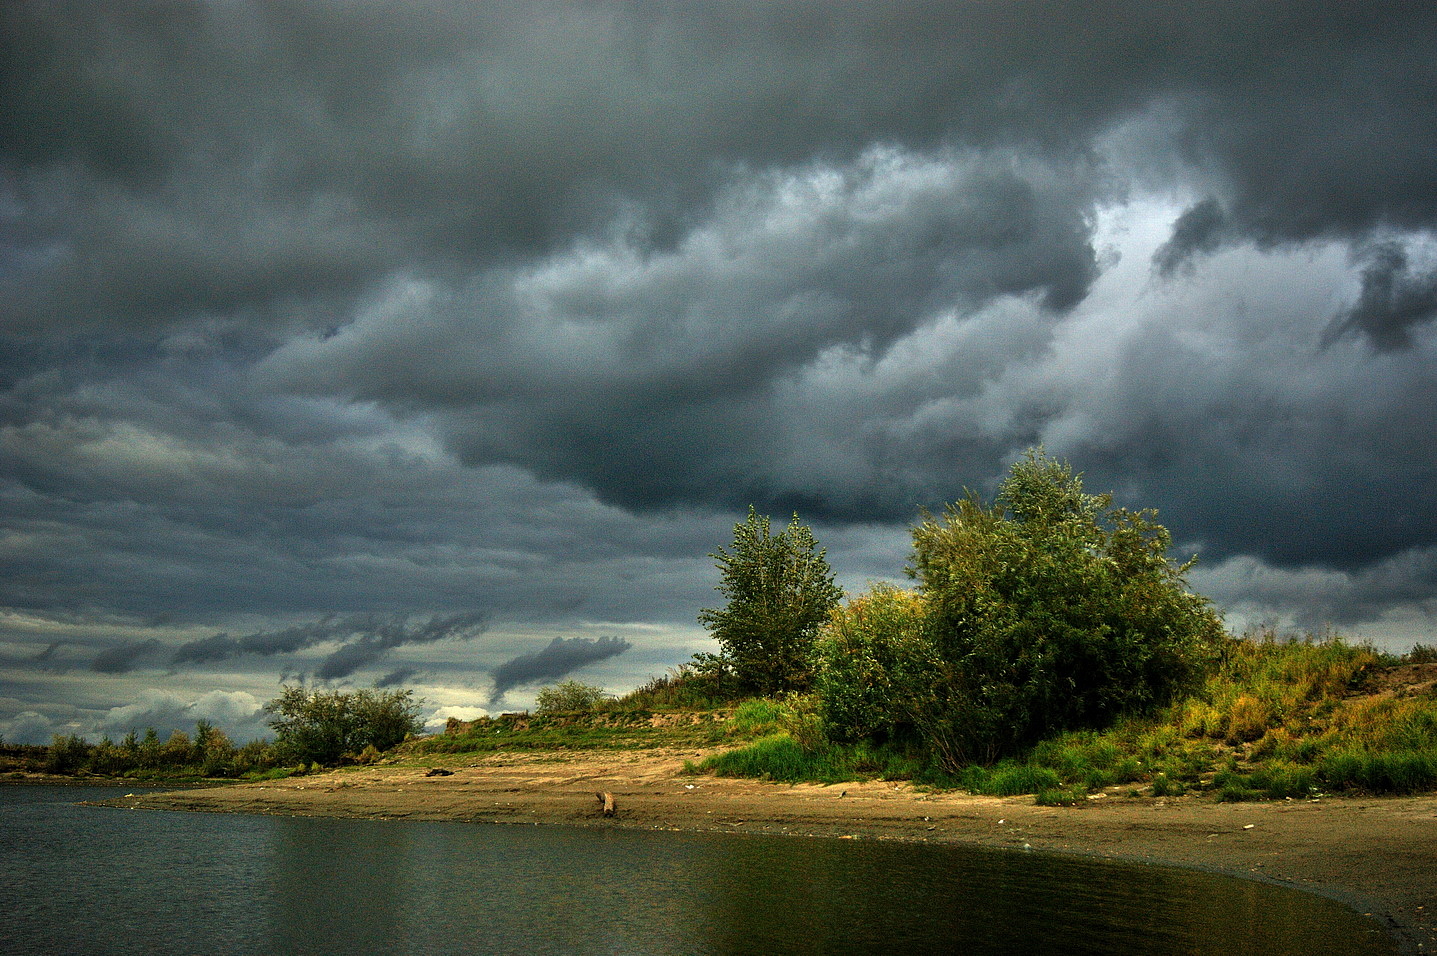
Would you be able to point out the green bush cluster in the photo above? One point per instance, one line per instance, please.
(570, 697)
(325, 726)
(209, 753)
(1048, 610)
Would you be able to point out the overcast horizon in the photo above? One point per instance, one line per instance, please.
(436, 345)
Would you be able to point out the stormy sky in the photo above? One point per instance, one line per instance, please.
(436, 344)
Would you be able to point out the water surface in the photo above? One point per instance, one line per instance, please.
(100, 880)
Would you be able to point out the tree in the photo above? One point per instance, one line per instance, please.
(1049, 610)
(780, 590)
(315, 726)
(871, 660)
(569, 697)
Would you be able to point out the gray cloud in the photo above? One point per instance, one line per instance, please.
(346, 315)
(469, 134)
(123, 658)
(1202, 228)
(397, 677)
(558, 659)
(1395, 300)
(363, 639)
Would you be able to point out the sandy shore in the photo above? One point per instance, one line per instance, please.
(1378, 854)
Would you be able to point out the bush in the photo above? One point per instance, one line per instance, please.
(1013, 779)
(871, 660)
(1049, 610)
(699, 684)
(320, 727)
(68, 753)
(1421, 654)
(569, 697)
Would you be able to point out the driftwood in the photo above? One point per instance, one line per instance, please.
(607, 799)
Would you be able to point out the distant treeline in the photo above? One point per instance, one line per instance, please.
(209, 752)
(312, 727)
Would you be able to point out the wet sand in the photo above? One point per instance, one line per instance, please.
(1378, 855)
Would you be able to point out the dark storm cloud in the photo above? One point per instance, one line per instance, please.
(363, 639)
(124, 657)
(1201, 228)
(397, 677)
(647, 377)
(395, 137)
(1395, 299)
(562, 656)
(316, 308)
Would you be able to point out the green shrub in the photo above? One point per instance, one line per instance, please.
(1279, 779)
(320, 727)
(1421, 654)
(871, 661)
(569, 697)
(1399, 772)
(1164, 786)
(756, 717)
(1047, 611)
(1061, 797)
(1012, 779)
(696, 685)
(68, 754)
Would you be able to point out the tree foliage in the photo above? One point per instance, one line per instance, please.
(869, 660)
(780, 590)
(569, 697)
(318, 726)
(1049, 609)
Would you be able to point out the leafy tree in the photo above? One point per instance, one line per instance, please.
(570, 696)
(871, 659)
(315, 726)
(213, 750)
(779, 590)
(1049, 610)
(68, 753)
(177, 751)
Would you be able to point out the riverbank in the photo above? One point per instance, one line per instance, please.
(1378, 855)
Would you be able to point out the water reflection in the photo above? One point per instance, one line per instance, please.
(77, 879)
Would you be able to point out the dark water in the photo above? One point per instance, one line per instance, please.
(96, 880)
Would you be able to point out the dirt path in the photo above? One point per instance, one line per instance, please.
(1378, 855)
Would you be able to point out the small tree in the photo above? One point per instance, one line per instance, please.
(314, 726)
(568, 697)
(780, 591)
(872, 660)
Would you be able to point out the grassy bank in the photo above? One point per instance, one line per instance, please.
(1277, 719)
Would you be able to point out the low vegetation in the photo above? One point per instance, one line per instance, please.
(208, 753)
(313, 729)
(1277, 719)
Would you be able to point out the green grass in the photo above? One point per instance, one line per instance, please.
(1276, 720)
(628, 730)
(781, 757)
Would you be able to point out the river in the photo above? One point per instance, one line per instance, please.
(97, 880)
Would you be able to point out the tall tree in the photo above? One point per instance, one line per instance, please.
(780, 590)
(1047, 611)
